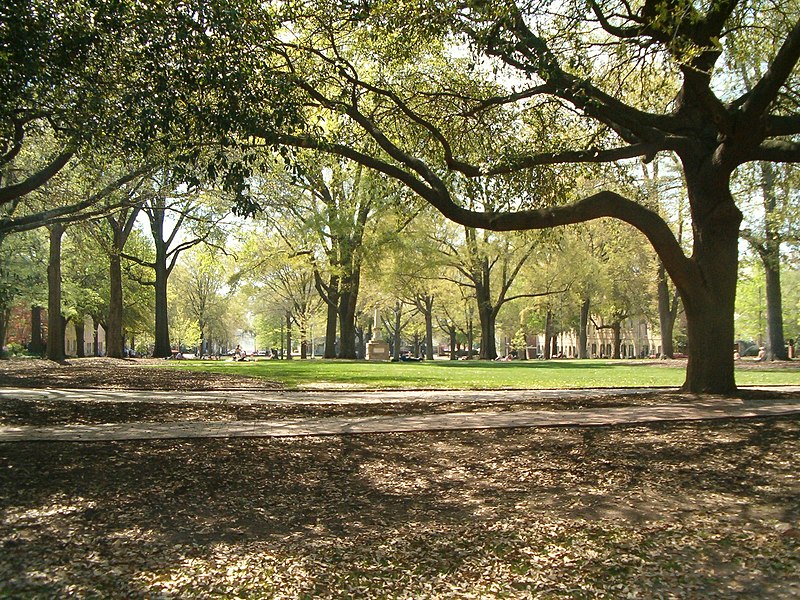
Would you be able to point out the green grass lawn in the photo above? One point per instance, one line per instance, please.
(479, 374)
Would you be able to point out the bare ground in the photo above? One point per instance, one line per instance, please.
(682, 510)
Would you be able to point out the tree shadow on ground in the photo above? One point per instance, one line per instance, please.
(666, 508)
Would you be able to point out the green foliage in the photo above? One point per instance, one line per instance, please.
(23, 269)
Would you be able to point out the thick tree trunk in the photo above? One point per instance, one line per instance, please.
(709, 301)
(583, 347)
(36, 347)
(666, 316)
(114, 333)
(55, 325)
(488, 329)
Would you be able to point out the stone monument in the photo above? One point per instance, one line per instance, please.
(377, 349)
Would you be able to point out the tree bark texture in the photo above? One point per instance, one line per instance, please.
(55, 326)
(770, 253)
(114, 333)
(289, 336)
(666, 315)
(162, 347)
(348, 300)
(80, 338)
(709, 300)
(583, 347)
(548, 335)
(36, 347)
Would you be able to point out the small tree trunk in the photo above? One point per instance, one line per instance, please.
(770, 254)
(114, 344)
(429, 328)
(162, 348)
(470, 338)
(80, 338)
(330, 293)
(583, 348)
(666, 316)
(616, 330)
(288, 336)
(55, 327)
(36, 347)
(303, 342)
(398, 315)
(776, 344)
(548, 334)
(5, 316)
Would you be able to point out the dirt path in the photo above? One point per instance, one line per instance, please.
(451, 421)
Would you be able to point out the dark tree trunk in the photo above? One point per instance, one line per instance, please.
(451, 330)
(470, 337)
(288, 336)
(361, 345)
(80, 338)
(55, 326)
(162, 347)
(770, 253)
(776, 344)
(348, 300)
(488, 328)
(398, 315)
(5, 315)
(487, 314)
(331, 302)
(548, 335)
(709, 303)
(36, 347)
(583, 349)
(428, 312)
(329, 292)
(667, 313)
(303, 342)
(114, 333)
(121, 225)
(616, 330)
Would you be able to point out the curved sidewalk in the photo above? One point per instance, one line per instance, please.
(700, 410)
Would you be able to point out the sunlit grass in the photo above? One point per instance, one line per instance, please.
(474, 374)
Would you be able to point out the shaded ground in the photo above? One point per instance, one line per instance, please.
(682, 510)
(112, 373)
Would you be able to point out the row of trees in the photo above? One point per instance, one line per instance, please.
(517, 115)
(301, 259)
